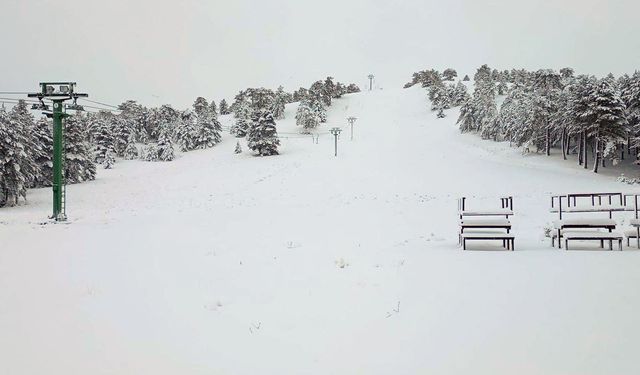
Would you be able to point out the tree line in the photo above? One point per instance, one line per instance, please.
(596, 119)
(137, 132)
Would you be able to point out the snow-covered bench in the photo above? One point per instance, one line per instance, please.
(561, 226)
(506, 238)
(592, 236)
(485, 223)
(506, 209)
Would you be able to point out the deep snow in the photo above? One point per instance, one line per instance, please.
(305, 263)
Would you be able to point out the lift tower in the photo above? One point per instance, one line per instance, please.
(58, 93)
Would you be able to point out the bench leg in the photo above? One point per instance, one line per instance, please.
(559, 241)
(566, 244)
(513, 244)
(602, 244)
(508, 243)
(620, 245)
(464, 244)
(638, 238)
(610, 244)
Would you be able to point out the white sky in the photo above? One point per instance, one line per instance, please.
(157, 51)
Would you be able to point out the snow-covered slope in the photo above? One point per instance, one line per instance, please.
(219, 263)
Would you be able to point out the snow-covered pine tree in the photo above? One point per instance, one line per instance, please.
(328, 91)
(609, 117)
(149, 152)
(263, 137)
(13, 183)
(466, 78)
(165, 148)
(109, 160)
(122, 129)
(459, 95)
(103, 138)
(300, 94)
(224, 107)
(630, 93)
(278, 104)
(566, 73)
(43, 152)
(136, 117)
(213, 109)
(242, 116)
(238, 149)
(186, 131)
(23, 120)
(466, 119)
(318, 107)
(352, 88)
(449, 74)
(306, 117)
(79, 164)
(201, 106)
(208, 130)
(131, 151)
(340, 90)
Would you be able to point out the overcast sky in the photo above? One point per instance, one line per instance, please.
(157, 51)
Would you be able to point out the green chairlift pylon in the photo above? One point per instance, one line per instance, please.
(58, 93)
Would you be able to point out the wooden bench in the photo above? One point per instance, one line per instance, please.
(483, 223)
(561, 225)
(632, 233)
(506, 238)
(593, 236)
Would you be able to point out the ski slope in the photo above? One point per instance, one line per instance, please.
(306, 263)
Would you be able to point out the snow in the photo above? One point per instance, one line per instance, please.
(306, 263)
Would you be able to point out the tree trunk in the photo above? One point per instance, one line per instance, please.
(562, 143)
(547, 140)
(585, 157)
(596, 155)
(580, 152)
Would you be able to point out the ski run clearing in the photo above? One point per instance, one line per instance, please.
(306, 263)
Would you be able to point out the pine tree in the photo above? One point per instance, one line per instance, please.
(213, 109)
(13, 183)
(131, 151)
(279, 102)
(122, 130)
(609, 117)
(263, 137)
(186, 131)
(242, 116)
(108, 160)
(306, 117)
(165, 148)
(23, 120)
(208, 132)
(224, 107)
(449, 74)
(238, 149)
(79, 164)
(136, 117)
(103, 138)
(466, 119)
(466, 78)
(319, 109)
(43, 152)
